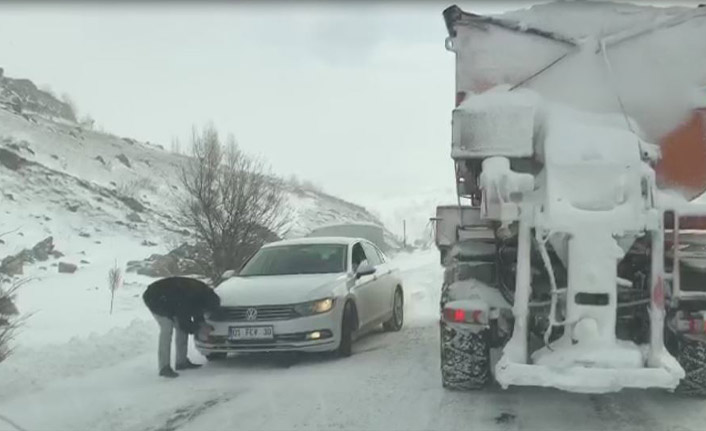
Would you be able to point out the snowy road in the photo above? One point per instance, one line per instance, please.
(391, 382)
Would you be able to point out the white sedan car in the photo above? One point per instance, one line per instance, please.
(310, 295)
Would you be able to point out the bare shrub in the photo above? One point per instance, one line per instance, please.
(233, 204)
(9, 320)
(115, 280)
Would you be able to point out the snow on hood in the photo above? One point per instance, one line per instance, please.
(278, 289)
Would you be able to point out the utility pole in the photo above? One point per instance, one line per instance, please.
(404, 233)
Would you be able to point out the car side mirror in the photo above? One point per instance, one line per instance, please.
(364, 269)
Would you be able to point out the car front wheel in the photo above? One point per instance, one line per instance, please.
(397, 320)
(345, 348)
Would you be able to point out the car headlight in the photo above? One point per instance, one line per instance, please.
(314, 307)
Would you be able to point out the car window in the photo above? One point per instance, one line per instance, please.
(372, 255)
(297, 259)
(358, 255)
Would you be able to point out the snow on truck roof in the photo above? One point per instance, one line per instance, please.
(316, 240)
(570, 22)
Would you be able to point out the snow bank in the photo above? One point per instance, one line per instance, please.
(30, 368)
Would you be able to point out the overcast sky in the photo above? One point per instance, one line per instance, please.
(355, 97)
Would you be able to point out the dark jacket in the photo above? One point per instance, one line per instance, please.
(183, 299)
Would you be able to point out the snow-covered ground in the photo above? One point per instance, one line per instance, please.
(108, 381)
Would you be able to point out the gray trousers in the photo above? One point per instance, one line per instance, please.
(166, 327)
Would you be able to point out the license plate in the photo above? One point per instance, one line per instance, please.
(251, 333)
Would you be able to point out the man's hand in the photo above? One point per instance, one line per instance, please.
(204, 331)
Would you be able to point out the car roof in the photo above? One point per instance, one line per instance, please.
(316, 240)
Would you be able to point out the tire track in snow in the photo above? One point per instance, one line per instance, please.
(185, 415)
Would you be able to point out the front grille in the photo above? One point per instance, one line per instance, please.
(263, 313)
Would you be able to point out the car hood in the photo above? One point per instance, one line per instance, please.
(277, 289)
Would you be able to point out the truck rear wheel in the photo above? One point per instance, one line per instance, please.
(465, 358)
(690, 351)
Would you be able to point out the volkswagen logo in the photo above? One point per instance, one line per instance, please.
(251, 314)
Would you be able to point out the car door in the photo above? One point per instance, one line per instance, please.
(383, 287)
(364, 288)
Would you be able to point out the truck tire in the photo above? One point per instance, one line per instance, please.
(465, 358)
(691, 353)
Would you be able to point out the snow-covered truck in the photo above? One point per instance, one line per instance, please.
(577, 250)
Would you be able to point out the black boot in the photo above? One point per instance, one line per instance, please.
(188, 365)
(168, 372)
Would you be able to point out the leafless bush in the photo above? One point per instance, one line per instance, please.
(115, 279)
(233, 204)
(9, 320)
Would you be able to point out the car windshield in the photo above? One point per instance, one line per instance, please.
(297, 259)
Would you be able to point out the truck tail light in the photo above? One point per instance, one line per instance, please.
(692, 323)
(459, 315)
(697, 326)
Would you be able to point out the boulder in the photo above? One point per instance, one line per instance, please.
(43, 249)
(134, 217)
(124, 160)
(10, 160)
(12, 265)
(183, 260)
(132, 203)
(67, 268)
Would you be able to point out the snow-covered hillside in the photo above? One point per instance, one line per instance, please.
(60, 179)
